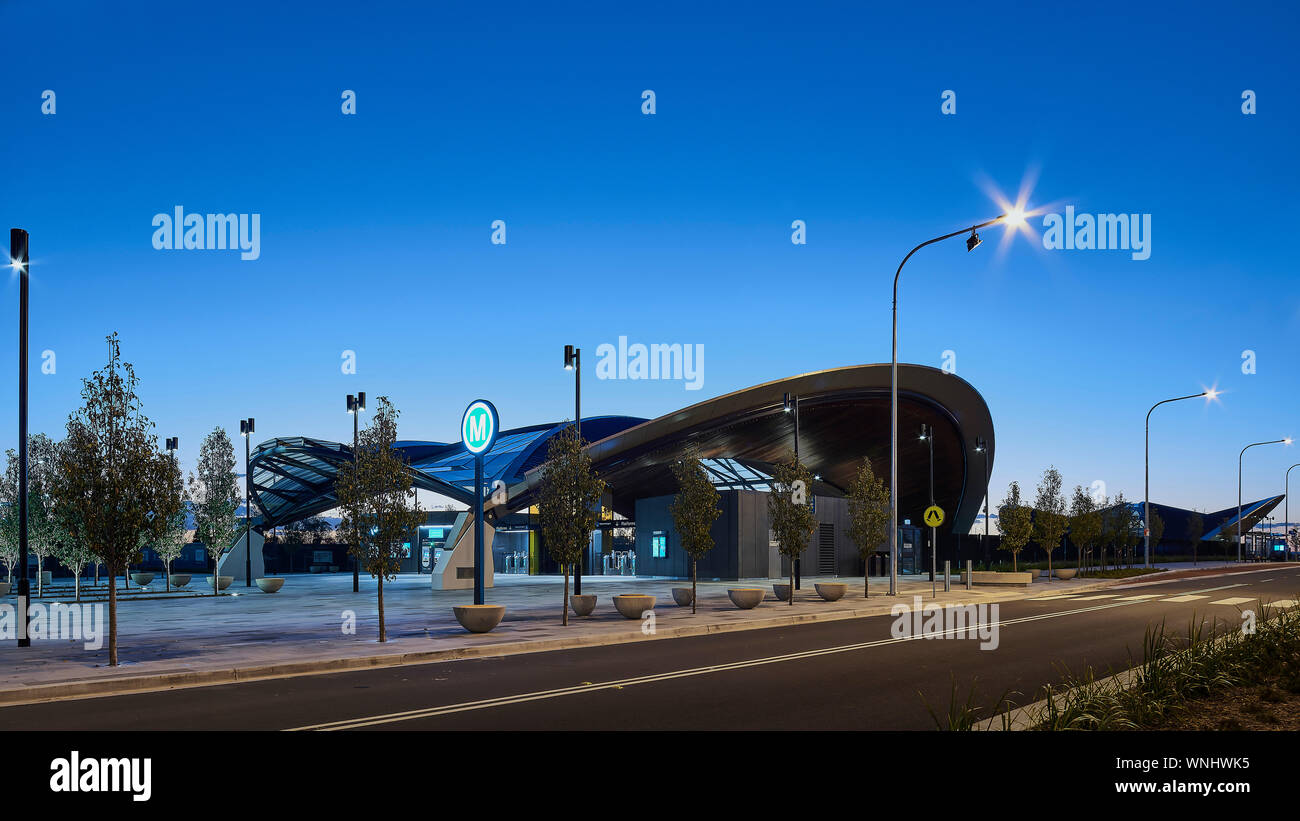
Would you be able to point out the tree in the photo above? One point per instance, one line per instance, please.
(44, 530)
(1157, 526)
(1195, 529)
(568, 502)
(171, 543)
(1085, 523)
(112, 481)
(1122, 527)
(378, 500)
(214, 497)
(1049, 521)
(789, 510)
(868, 516)
(694, 509)
(9, 552)
(1015, 521)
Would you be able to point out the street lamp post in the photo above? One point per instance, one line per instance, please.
(1286, 517)
(573, 362)
(1146, 490)
(19, 259)
(790, 404)
(1284, 441)
(974, 240)
(356, 404)
(982, 447)
(173, 444)
(246, 431)
(927, 436)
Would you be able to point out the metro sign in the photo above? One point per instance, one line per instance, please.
(478, 427)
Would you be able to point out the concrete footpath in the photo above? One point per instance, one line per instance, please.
(185, 641)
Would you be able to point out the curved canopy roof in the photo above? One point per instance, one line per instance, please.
(843, 418)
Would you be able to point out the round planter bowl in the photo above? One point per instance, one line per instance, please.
(583, 604)
(682, 595)
(831, 591)
(142, 579)
(270, 585)
(781, 591)
(4, 588)
(1067, 573)
(181, 579)
(479, 618)
(746, 598)
(632, 605)
(222, 582)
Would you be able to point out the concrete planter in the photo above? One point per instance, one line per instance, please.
(479, 618)
(746, 598)
(222, 582)
(632, 605)
(781, 591)
(583, 604)
(682, 595)
(270, 585)
(4, 588)
(831, 591)
(181, 579)
(1067, 573)
(989, 577)
(142, 579)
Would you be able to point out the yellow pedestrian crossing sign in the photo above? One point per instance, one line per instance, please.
(933, 516)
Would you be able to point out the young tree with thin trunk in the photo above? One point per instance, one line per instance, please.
(694, 509)
(112, 479)
(9, 514)
(1015, 521)
(378, 500)
(1085, 524)
(568, 502)
(214, 498)
(1195, 530)
(1157, 526)
(1050, 521)
(789, 510)
(868, 517)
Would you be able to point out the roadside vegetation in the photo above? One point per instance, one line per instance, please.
(1198, 679)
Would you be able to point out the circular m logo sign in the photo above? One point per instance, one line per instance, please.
(478, 427)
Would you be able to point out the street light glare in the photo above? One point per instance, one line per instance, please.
(1015, 217)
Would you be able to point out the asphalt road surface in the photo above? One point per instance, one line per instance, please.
(852, 675)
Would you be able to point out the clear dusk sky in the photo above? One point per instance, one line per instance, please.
(673, 227)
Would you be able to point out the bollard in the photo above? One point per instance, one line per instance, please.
(968, 574)
(947, 576)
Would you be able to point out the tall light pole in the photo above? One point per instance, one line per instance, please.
(1285, 441)
(982, 447)
(573, 362)
(246, 431)
(1013, 217)
(356, 404)
(19, 259)
(927, 436)
(790, 404)
(1146, 488)
(1286, 517)
(173, 444)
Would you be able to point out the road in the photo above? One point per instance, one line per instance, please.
(852, 675)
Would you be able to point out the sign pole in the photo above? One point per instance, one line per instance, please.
(478, 529)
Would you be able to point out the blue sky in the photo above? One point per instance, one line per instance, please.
(375, 228)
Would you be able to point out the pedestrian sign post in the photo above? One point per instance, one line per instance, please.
(478, 431)
(933, 516)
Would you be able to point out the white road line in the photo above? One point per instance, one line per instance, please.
(1141, 598)
(1055, 598)
(1281, 603)
(1232, 601)
(431, 712)
(1103, 596)
(1187, 597)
